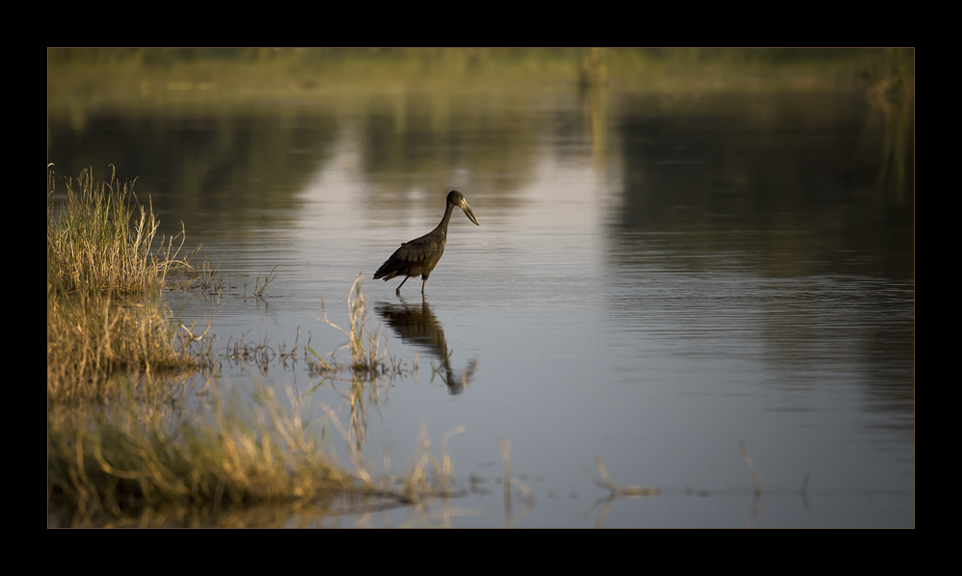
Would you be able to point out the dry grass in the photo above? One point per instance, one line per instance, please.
(121, 463)
(105, 268)
(93, 338)
(107, 465)
(364, 345)
(100, 239)
(368, 370)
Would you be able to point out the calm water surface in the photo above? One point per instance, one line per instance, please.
(652, 283)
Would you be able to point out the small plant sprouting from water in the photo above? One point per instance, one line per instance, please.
(259, 288)
(368, 364)
(364, 345)
(207, 279)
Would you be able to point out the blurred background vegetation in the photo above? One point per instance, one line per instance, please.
(116, 76)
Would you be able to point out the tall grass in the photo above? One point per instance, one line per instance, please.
(100, 239)
(105, 268)
(364, 345)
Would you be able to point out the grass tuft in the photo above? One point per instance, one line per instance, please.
(100, 239)
(367, 356)
(104, 274)
(110, 464)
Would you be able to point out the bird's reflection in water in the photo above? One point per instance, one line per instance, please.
(415, 324)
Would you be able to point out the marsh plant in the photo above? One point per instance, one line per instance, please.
(365, 356)
(123, 462)
(102, 239)
(105, 268)
(370, 364)
(109, 464)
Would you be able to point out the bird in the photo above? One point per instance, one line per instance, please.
(421, 255)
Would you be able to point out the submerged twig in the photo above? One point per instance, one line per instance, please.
(618, 490)
(615, 491)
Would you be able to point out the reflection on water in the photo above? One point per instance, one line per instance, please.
(416, 325)
(694, 252)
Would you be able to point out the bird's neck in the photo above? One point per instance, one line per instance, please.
(443, 225)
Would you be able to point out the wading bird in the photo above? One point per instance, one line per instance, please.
(420, 256)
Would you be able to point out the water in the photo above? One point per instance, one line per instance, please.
(654, 281)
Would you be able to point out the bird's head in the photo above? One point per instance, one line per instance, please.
(457, 199)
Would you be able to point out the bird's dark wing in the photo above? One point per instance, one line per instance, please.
(417, 250)
(412, 258)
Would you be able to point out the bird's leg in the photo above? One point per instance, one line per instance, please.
(398, 291)
(423, 282)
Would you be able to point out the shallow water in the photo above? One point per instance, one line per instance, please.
(652, 285)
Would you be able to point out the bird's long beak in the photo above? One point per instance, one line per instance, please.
(469, 213)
